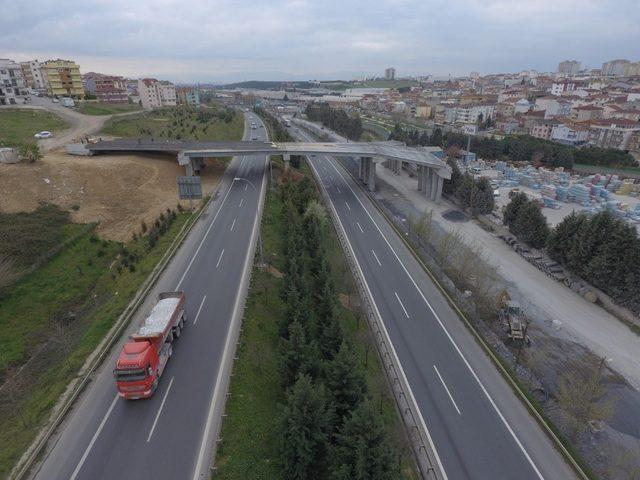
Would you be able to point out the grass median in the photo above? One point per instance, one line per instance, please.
(249, 433)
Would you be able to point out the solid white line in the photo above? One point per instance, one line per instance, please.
(455, 345)
(205, 235)
(448, 392)
(241, 200)
(338, 188)
(377, 259)
(402, 305)
(164, 399)
(93, 440)
(220, 258)
(347, 204)
(199, 308)
(360, 227)
(204, 453)
(233, 225)
(246, 186)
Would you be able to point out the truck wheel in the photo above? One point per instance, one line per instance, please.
(177, 332)
(154, 387)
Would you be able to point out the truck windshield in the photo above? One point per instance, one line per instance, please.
(130, 375)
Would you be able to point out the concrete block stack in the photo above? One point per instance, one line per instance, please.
(580, 194)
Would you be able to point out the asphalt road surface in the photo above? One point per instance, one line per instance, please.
(169, 436)
(479, 427)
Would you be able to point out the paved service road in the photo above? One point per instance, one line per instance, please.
(479, 427)
(169, 435)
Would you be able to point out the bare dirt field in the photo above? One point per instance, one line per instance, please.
(118, 191)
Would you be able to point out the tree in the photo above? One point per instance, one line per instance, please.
(464, 190)
(302, 431)
(362, 451)
(531, 225)
(581, 396)
(482, 202)
(512, 208)
(449, 186)
(30, 152)
(436, 137)
(297, 355)
(345, 384)
(563, 236)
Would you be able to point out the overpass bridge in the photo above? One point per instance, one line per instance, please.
(432, 170)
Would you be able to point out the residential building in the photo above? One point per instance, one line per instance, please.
(63, 78)
(522, 106)
(390, 73)
(631, 69)
(33, 76)
(12, 87)
(470, 113)
(553, 106)
(634, 142)
(585, 113)
(560, 88)
(542, 129)
(569, 67)
(612, 133)
(569, 134)
(614, 68)
(188, 96)
(106, 88)
(155, 94)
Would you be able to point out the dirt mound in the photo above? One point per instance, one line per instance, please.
(118, 191)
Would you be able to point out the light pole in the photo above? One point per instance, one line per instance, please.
(238, 179)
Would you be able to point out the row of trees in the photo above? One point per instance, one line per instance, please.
(336, 120)
(277, 130)
(601, 249)
(471, 193)
(518, 148)
(328, 427)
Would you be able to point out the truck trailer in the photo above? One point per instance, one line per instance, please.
(144, 357)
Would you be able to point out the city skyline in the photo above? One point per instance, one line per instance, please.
(301, 40)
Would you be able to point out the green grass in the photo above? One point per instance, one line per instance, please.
(178, 123)
(92, 108)
(20, 125)
(605, 170)
(79, 280)
(249, 438)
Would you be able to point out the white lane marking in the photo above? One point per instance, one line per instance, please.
(360, 227)
(205, 236)
(246, 186)
(241, 200)
(195, 320)
(204, 453)
(377, 259)
(93, 440)
(220, 258)
(447, 390)
(455, 345)
(164, 399)
(402, 305)
(338, 188)
(393, 350)
(232, 225)
(347, 204)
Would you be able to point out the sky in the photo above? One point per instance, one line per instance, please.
(235, 40)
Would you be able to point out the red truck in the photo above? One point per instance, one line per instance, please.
(144, 357)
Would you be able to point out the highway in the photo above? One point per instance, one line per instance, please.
(480, 429)
(170, 435)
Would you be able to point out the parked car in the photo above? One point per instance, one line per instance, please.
(55, 100)
(43, 134)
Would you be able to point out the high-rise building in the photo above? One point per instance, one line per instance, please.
(631, 69)
(12, 86)
(569, 67)
(390, 73)
(63, 78)
(614, 67)
(155, 94)
(33, 75)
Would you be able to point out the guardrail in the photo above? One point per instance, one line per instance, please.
(28, 460)
(421, 442)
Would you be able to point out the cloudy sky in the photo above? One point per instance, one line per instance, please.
(227, 40)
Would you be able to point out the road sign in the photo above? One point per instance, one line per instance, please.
(189, 188)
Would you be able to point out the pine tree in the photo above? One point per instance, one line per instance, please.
(362, 451)
(302, 432)
(464, 190)
(436, 137)
(449, 186)
(531, 225)
(563, 236)
(298, 356)
(512, 208)
(345, 384)
(482, 198)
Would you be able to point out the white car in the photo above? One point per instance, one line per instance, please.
(55, 100)
(43, 134)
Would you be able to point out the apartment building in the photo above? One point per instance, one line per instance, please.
(569, 67)
(560, 88)
(584, 113)
(188, 96)
(12, 87)
(542, 128)
(106, 88)
(612, 133)
(33, 76)
(569, 134)
(63, 78)
(614, 68)
(155, 94)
